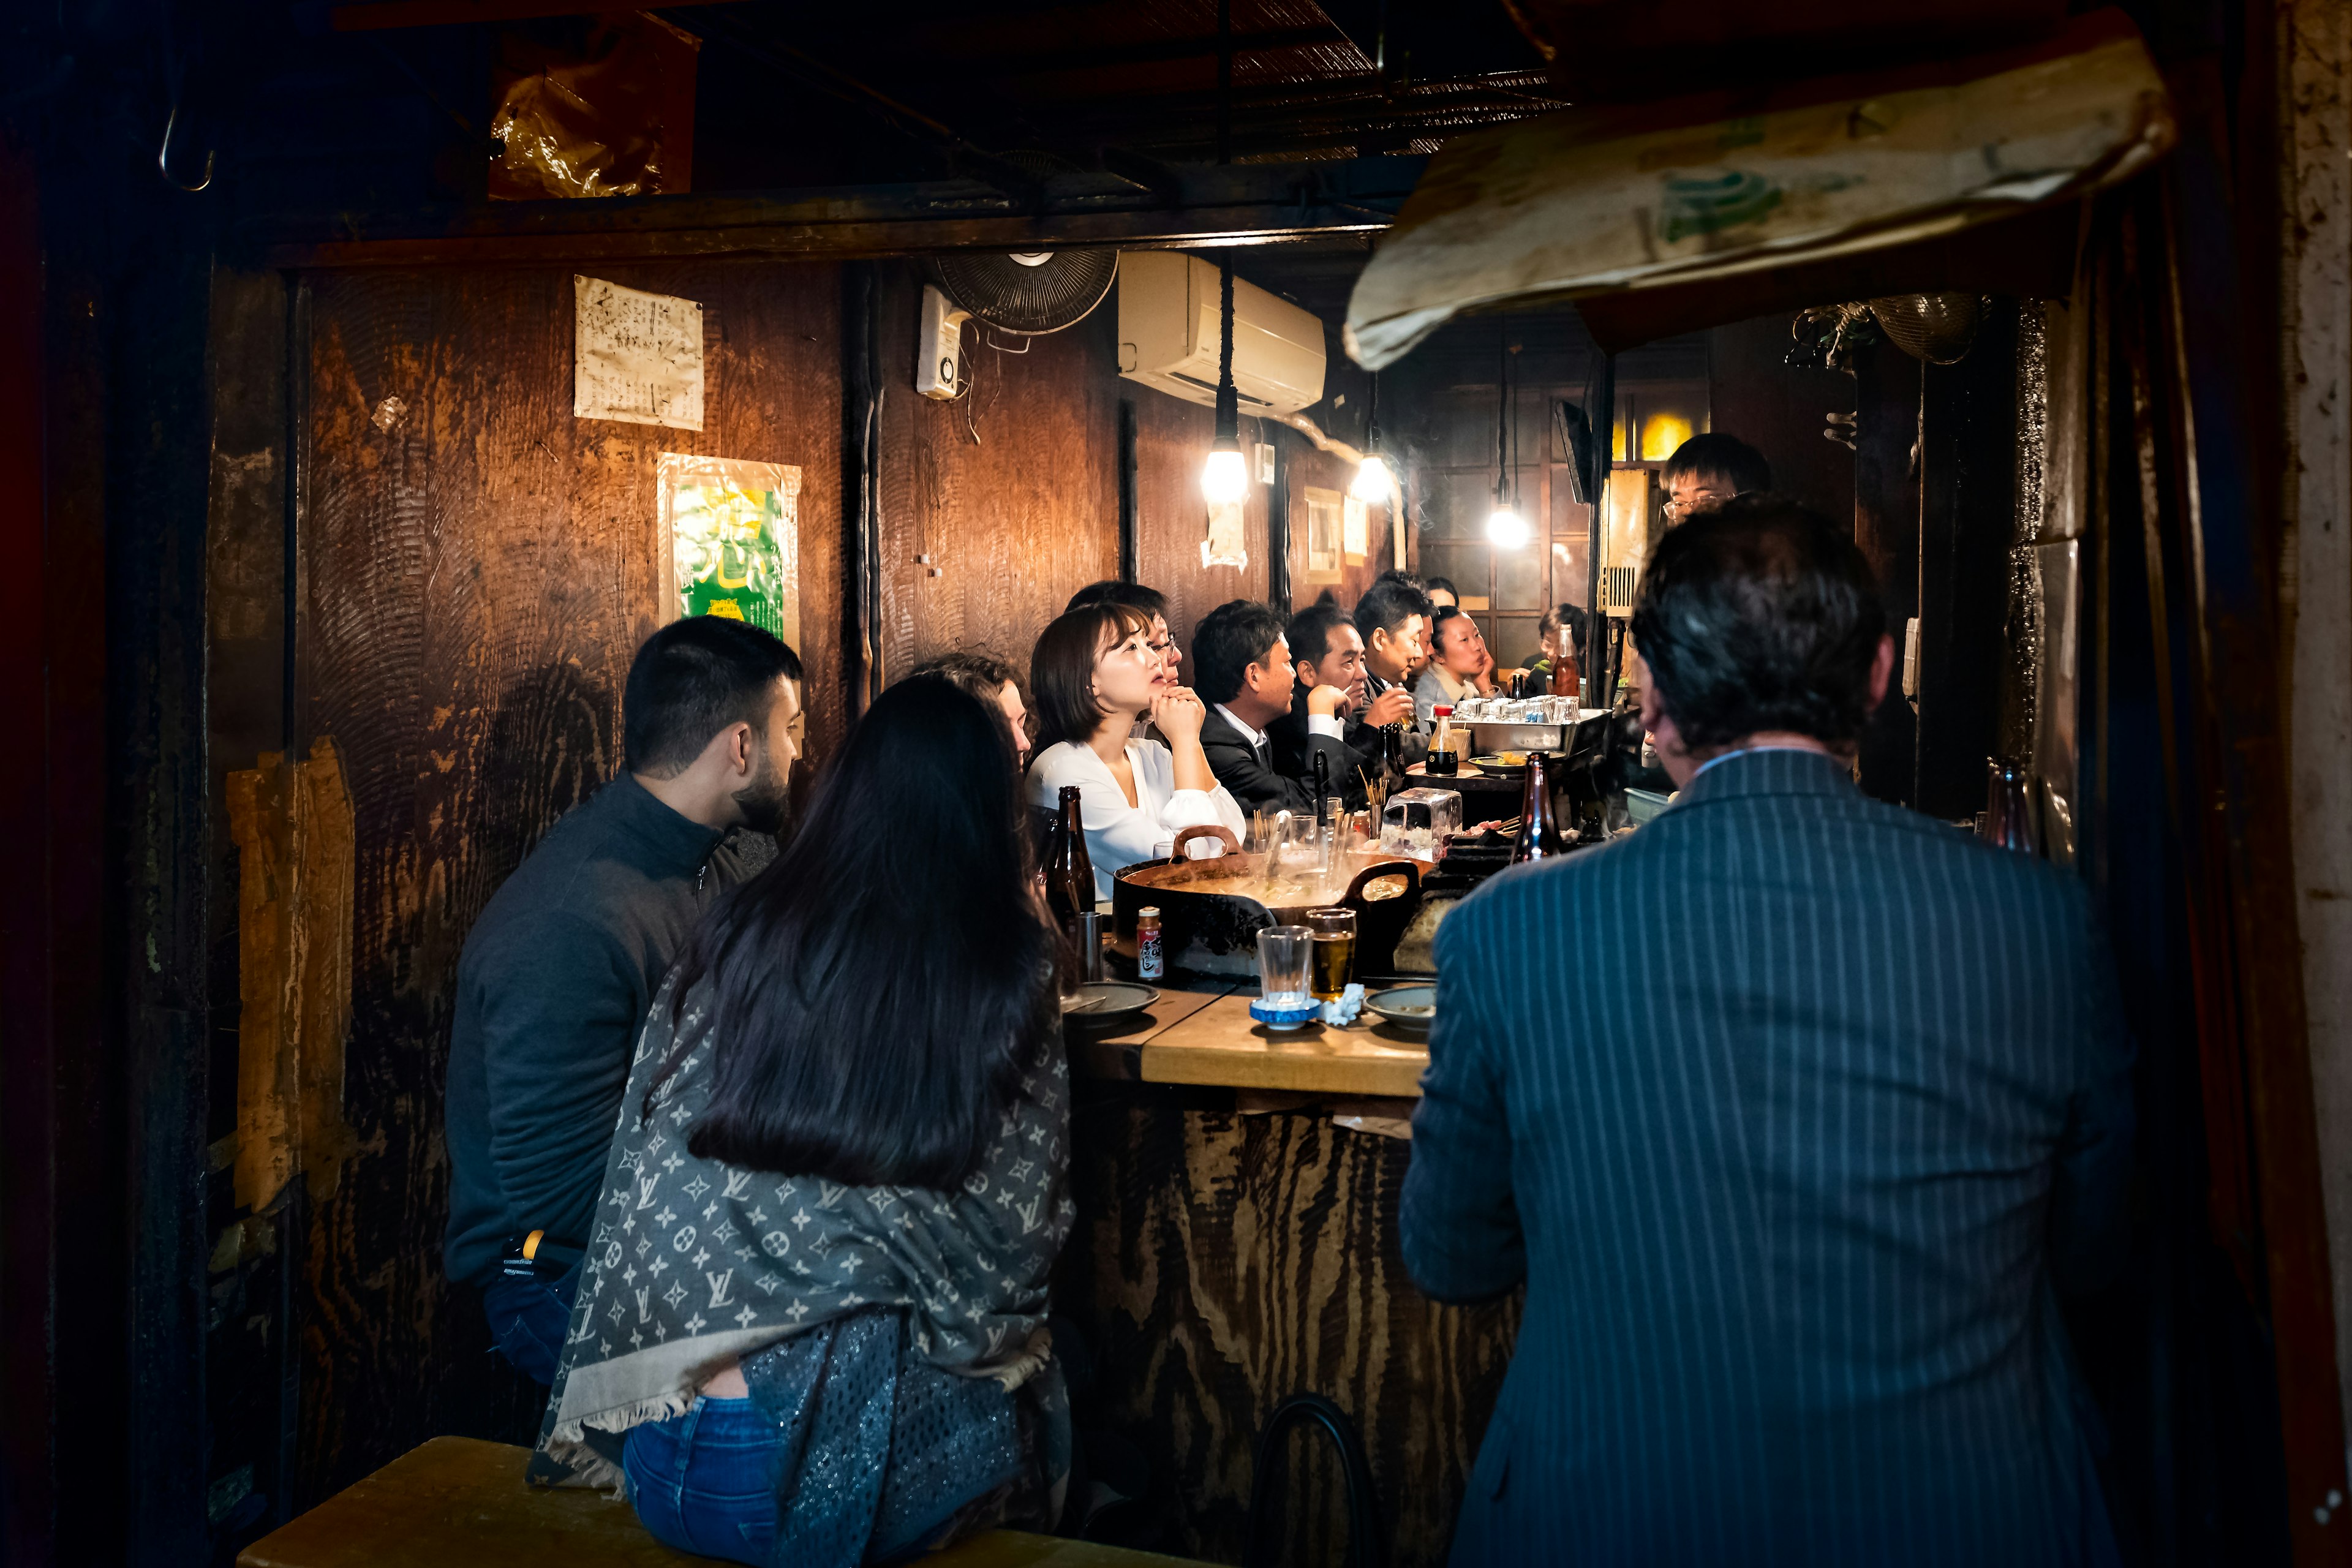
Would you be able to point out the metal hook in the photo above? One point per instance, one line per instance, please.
(163, 156)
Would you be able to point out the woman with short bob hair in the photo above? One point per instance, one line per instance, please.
(1095, 674)
(814, 1305)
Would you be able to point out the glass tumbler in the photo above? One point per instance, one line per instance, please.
(1333, 961)
(1282, 960)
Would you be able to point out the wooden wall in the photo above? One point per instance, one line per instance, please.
(473, 582)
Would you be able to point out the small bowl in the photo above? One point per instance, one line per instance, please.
(1100, 1000)
(1396, 1005)
(1281, 1020)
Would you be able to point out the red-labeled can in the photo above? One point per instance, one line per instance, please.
(1150, 960)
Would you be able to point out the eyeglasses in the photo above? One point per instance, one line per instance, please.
(1161, 648)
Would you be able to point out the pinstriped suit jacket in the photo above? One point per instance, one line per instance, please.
(1791, 1178)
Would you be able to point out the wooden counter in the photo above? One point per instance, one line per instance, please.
(1198, 1038)
(1237, 1243)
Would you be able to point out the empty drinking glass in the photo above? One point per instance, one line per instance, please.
(1282, 958)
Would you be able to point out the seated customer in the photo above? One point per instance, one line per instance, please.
(1392, 617)
(1707, 470)
(839, 1184)
(1459, 665)
(1326, 652)
(1243, 666)
(1559, 640)
(1152, 603)
(1442, 592)
(558, 971)
(1794, 1201)
(1094, 674)
(991, 680)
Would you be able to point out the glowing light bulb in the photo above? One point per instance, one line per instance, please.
(1224, 477)
(1374, 480)
(1505, 529)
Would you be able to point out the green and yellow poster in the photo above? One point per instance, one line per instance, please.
(732, 532)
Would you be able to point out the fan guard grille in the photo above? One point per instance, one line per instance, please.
(1026, 301)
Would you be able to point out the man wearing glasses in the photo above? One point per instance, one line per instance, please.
(1707, 470)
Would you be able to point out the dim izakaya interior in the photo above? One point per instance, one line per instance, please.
(1199, 781)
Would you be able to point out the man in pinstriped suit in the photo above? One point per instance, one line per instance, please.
(1793, 1188)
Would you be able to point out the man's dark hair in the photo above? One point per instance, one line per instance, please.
(1062, 667)
(1310, 631)
(1135, 595)
(875, 993)
(1760, 615)
(1715, 455)
(1388, 602)
(1399, 574)
(693, 678)
(1230, 638)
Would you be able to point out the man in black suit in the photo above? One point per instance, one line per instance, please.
(1241, 670)
(1327, 651)
(1392, 617)
(1793, 1192)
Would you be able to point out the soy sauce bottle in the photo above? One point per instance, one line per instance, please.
(1069, 870)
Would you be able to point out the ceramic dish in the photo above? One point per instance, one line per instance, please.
(1406, 1006)
(1108, 999)
(1504, 762)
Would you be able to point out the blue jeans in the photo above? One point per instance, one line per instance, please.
(705, 1481)
(529, 1318)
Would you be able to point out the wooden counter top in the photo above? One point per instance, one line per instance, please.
(1210, 1038)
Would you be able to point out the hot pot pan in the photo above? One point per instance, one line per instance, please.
(1211, 933)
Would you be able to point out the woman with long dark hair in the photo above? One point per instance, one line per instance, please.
(1094, 673)
(815, 1299)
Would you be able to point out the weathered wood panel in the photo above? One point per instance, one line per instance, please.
(1223, 1262)
(997, 506)
(474, 575)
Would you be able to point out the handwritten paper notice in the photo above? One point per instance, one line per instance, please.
(1225, 545)
(638, 358)
(1355, 531)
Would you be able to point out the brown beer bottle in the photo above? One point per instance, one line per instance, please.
(1069, 870)
(1539, 836)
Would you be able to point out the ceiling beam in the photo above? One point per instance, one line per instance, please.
(1160, 51)
(1206, 206)
(375, 16)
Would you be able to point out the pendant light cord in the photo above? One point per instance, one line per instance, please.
(1228, 399)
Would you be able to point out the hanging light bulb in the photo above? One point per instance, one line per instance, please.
(1224, 477)
(1506, 530)
(1374, 480)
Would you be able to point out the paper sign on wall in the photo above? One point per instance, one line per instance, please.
(1323, 528)
(1355, 531)
(730, 531)
(637, 357)
(1226, 545)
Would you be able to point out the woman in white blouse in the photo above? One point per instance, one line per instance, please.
(1093, 674)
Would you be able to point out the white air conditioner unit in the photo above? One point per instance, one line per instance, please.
(1170, 305)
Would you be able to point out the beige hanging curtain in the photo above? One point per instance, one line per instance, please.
(1593, 201)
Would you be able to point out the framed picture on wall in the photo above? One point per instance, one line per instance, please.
(730, 541)
(1324, 518)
